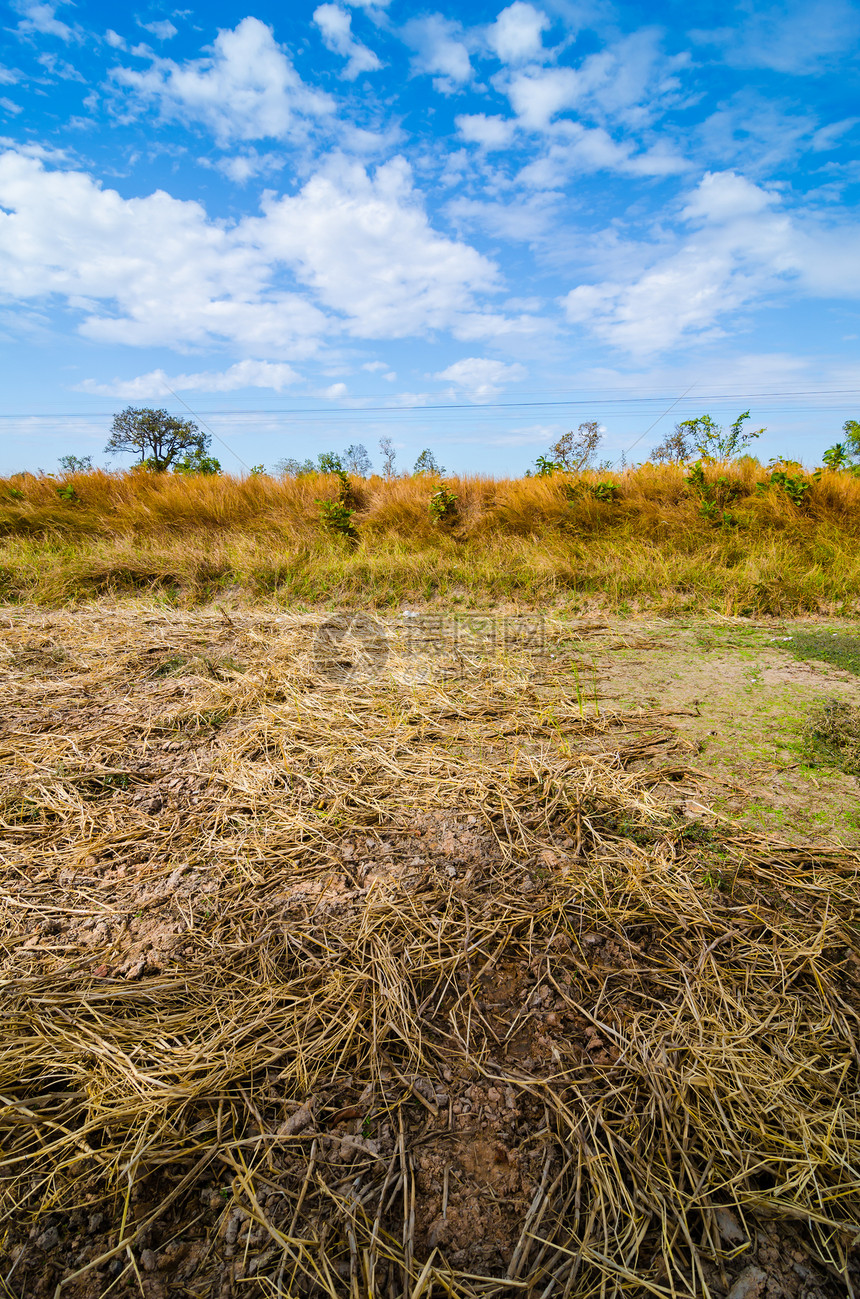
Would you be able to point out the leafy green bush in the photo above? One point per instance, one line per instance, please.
(443, 505)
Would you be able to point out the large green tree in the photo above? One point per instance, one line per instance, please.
(157, 438)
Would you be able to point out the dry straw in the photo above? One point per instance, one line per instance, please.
(278, 901)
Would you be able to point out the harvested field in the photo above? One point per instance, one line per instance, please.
(333, 964)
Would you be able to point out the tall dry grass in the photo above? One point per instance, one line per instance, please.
(529, 541)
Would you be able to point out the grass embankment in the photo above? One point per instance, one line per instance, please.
(333, 978)
(659, 540)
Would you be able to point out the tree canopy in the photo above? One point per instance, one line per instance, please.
(157, 438)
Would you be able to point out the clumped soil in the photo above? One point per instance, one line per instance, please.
(333, 972)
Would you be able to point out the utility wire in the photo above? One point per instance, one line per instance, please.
(623, 455)
(596, 400)
(208, 429)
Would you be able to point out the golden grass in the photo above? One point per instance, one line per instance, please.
(384, 883)
(529, 541)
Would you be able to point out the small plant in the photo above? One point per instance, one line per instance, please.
(713, 496)
(257, 470)
(337, 515)
(790, 477)
(16, 494)
(337, 518)
(443, 505)
(546, 467)
(605, 491)
(67, 492)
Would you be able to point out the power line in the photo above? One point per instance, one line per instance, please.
(475, 407)
(209, 430)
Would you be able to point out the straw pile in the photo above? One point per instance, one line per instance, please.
(333, 966)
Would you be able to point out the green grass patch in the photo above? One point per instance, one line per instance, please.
(841, 648)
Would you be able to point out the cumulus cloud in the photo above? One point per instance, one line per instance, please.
(244, 374)
(440, 51)
(367, 249)
(143, 271)
(489, 132)
(516, 35)
(335, 24)
(350, 252)
(741, 247)
(480, 378)
(245, 89)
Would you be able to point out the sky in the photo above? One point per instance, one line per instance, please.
(468, 228)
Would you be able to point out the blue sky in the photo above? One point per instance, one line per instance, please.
(468, 228)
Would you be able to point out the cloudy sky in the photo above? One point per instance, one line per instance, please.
(469, 228)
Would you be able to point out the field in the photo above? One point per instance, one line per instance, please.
(742, 540)
(446, 951)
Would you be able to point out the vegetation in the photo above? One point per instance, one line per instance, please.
(161, 441)
(647, 535)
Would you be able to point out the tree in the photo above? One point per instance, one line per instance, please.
(675, 449)
(427, 464)
(156, 437)
(290, 468)
(575, 450)
(389, 455)
(76, 464)
(357, 461)
(329, 462)
(715, 443)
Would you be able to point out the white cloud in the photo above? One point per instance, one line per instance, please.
(538, 94)
(40, 20)
(143, 271)
(163, 30)
(367, 249)
(347, 253)
(335, 24)
(741, 249)
(515, 36)
(9, 76)
(242, 167)
(244, 374)
(246, 89)
(479, 378)
(581, 150)
(794, 36)
(629, 83)
(489, 132)
(440, 51)
(9, 106)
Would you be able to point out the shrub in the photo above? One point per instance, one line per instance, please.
(443, 505)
